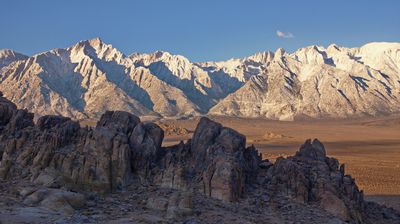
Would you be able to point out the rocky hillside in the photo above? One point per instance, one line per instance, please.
(91, 77)
(56, 171)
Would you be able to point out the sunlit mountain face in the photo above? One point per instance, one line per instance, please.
(91, 77)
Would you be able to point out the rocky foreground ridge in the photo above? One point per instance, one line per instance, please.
(118, 172)
(87, 79)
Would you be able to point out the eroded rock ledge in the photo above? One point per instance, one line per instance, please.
(121, 151)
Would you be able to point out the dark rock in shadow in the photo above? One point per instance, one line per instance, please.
(122, 151)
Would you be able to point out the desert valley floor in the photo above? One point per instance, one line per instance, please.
(369, 148)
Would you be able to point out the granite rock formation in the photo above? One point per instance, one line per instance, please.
(310, 176)
(63, 162)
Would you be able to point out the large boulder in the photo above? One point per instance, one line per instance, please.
(311, 177)
(55, 199)
(226, 160)
(203, 137)
(146, 135)
(145, 142)
(105, 162)
(118, 120)
(215, 161)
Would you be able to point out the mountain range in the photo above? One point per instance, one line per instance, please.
(90, 77)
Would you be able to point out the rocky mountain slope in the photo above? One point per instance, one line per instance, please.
(54, 171)
(316, 82)
(9, 56)
(91, 77)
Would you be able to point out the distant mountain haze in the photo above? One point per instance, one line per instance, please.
(90, 77)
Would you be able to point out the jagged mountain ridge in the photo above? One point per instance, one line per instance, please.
(317, 82)
(8, 56)
(91, 77)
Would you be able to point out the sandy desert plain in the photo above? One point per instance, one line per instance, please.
(369, 147)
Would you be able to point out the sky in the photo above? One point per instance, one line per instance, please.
(200, 30)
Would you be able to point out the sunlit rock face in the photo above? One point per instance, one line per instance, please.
(317, 82)
(91, 77)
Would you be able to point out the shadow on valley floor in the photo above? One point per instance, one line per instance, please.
(387, 200)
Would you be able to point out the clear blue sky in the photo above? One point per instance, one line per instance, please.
(200, 30)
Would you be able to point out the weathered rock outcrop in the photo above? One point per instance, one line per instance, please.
(145, 142)
(122, 151)
(97, 159)
(215, 162)
(120, 148)
(310, 177)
